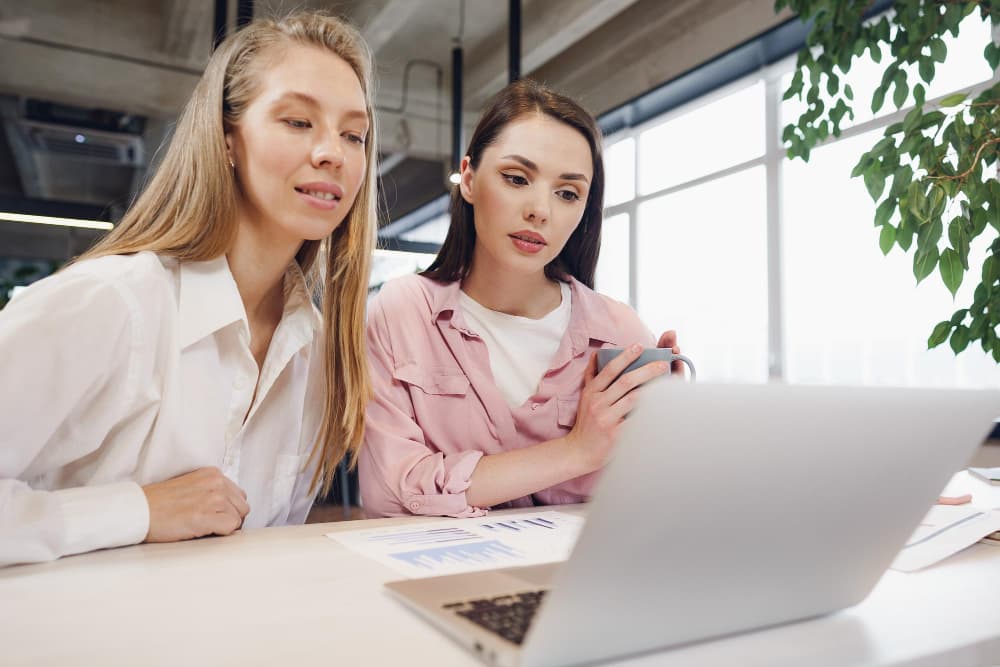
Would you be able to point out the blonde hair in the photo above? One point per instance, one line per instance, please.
(188, 211)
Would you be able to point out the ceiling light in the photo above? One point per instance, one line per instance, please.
(49, 220)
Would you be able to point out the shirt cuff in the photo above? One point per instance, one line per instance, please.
(451, 501)
(101, 517)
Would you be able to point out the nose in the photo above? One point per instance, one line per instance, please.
(536, 209)
(328, 152)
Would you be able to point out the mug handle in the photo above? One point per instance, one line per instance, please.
(690, 365)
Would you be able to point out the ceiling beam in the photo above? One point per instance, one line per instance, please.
(89, 79)
(652, 43)
(187, 28)
(387, 21)
(550, 28)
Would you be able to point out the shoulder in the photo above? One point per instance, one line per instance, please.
(610, 319)
(132, 282)
(412, 295)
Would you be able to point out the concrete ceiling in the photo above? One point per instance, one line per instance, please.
(141, 58)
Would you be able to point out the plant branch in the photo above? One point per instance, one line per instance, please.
(975, 163)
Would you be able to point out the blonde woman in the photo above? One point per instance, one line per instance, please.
(177, 380)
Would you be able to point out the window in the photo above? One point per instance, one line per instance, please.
(712, 191)
(703, 271)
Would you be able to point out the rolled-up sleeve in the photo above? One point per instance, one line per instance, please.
(399, 473)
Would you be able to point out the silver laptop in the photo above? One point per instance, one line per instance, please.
(726, 508)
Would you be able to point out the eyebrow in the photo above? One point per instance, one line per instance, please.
(313, 102)
(534, 167)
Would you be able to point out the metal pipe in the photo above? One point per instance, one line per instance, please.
(244, 13)
(514, 40)
(221, 22)
(456, 109)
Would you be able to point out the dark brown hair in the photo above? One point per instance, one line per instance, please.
(578, 257)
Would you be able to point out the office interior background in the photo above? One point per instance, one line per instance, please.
(768, 268)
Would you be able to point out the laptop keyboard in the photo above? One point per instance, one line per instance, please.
(508, 615)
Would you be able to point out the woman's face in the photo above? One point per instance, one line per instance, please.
(528, 193)
(299, 148)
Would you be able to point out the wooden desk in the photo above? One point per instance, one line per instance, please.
(286, 596)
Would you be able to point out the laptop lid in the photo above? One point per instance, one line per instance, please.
(733, 507)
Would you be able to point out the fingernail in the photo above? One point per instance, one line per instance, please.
(636, 348)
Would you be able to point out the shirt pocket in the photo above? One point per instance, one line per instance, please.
(439, 382)
(566, 408)
(442, 405)
(285, 473)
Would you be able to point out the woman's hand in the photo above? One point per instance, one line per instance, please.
(669, 339)
(203, 502)
(604, 403)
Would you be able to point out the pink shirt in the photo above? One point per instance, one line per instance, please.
(436, 410)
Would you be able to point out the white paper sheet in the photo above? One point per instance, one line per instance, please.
(947, 529)
(451, 546)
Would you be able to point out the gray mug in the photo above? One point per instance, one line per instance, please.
(648, 355)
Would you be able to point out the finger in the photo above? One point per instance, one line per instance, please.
(623, 407)
(668, 339)
(615, 367)
(225, 523)
(954, 500)
(629, 381)
(591, 371)
(237, 499)
(232, 489)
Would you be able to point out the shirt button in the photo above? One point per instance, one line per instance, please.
(414, 505)
(534, 406)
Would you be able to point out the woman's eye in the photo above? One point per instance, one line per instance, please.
(297, 123)
(568, 195)
(356, 138)
(515, 179)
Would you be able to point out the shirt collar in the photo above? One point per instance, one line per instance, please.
(209, 300)
(590, 317)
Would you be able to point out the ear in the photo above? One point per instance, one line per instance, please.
(465, 185)
(229, 145)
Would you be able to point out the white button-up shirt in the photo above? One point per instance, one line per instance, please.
(127, 370)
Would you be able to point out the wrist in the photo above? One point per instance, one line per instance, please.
(578, 458)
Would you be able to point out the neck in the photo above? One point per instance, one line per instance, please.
(526, 295)
(258, 266)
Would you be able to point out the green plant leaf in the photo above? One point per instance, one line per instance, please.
(992, 55)
(886, 238)
(953, 100)
(939, 335)
(902, 90)
(958, 316)
(939, 51)
(875, 182)
(959, 339)
(958, 237)
(926, 69)
(884, 211)
(951, 270)
(848, 92)
(924, 262)
(878, 98)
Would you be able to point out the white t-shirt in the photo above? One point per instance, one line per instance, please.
(520, 348)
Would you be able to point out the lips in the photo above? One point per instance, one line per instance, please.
(527, 241)
(320, 196)
(528, 236)
(323, 191)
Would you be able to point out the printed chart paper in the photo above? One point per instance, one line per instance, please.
(452, 546)
(947, 529)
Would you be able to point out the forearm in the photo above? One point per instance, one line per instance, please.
(521, 472)
(44, 525)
